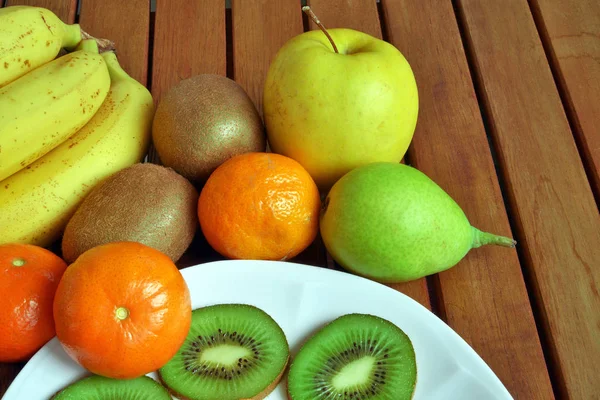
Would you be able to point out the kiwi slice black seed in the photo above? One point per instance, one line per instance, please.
(358, 357)
(232, 351)
(100, 388)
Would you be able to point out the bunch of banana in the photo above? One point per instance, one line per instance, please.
(30, 37)
(37, 201)
(46, 106)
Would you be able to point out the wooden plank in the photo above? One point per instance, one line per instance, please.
(260, 28)
(484, 297)
(555, 215)
(359, 15)
(417, 290)
(64, 9)
(363, 16)
(104, 18)
(571, 31)
(189, 39)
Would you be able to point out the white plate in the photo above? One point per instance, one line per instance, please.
(302, 299)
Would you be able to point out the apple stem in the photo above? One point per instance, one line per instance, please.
(482, 238)
(312, 16)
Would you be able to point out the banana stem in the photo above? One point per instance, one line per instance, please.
(104, 45)
(115, 70)
(484, 238)
(88, 45)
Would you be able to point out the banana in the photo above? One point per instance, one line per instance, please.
(37, 202)
(30, 37)
(41, 109)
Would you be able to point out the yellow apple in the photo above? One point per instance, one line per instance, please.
(333, 112)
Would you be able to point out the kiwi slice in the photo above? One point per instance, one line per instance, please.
(232, 351)
(358, 357)
(100, 388)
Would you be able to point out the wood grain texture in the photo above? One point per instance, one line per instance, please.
(189, 39)
(571, 31)
(64, 9)
(106, 19)
(260, 28)
(484, 297)
(416, 290)
(362, 15)
(554, 211)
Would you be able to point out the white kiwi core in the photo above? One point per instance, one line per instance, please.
(225, 354)
(356, 373)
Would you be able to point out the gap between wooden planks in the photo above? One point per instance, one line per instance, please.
(64, 9)
(484, 297)
(189, 39)
(363, 16)
(570, 32)
(104, 19)
(555, 216)
(60, 9)
(259, 29)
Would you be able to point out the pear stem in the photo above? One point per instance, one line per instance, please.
(312, 16)
(483, 238)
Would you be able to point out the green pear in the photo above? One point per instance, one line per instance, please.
(391, 223)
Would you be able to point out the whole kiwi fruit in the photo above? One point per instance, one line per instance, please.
(202, 122)
(145, 203)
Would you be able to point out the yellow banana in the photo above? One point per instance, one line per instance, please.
(37, 202)
(40, 110)
(30, 37)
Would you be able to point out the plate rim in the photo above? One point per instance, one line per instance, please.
(317, 273)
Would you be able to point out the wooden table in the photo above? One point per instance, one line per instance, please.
(509, 126)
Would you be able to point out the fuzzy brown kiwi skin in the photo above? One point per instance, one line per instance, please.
(259, 396)
(203, 121)
(129, 206)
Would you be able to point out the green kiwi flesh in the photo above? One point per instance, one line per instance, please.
(100, 388)
(358, 357)
(232, 351)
